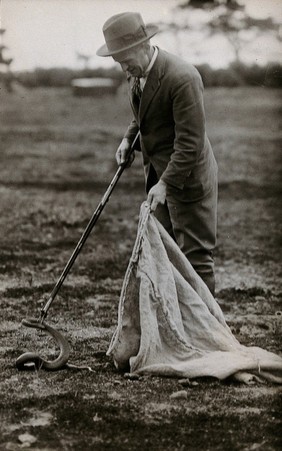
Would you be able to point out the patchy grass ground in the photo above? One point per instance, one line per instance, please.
(57, 158)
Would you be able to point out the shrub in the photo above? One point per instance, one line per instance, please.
(237, 74)
(62, 77)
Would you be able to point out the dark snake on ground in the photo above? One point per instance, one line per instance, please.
(31, 360)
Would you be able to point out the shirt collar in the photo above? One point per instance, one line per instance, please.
(154, 57)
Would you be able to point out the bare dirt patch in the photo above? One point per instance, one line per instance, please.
(57, 157)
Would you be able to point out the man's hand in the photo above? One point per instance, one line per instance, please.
(122, 152)
(157, 195)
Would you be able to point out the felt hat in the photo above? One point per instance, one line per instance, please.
(123, 32)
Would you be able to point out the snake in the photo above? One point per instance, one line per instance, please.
(31, 360)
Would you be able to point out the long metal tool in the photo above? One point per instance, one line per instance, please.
(31, 360)
(87, 231)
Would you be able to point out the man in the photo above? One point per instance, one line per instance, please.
(166, 96)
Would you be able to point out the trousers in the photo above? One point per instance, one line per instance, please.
(193, 225)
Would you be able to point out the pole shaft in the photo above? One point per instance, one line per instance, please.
(87, 232)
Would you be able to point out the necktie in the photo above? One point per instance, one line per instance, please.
(136, 93)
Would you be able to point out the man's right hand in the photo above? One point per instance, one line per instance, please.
(122, 152)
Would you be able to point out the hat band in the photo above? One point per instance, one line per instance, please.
(127, 39)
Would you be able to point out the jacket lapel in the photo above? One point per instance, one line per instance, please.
(152, 84)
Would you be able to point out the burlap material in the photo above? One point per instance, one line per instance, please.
(169, 323)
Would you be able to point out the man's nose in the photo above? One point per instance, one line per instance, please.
(124, 67)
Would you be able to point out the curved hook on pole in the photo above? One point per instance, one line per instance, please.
(32, 360)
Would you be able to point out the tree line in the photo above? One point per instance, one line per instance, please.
(237, 74)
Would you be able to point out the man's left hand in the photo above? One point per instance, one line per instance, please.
(157, 195)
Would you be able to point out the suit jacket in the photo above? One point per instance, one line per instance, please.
(171, 120)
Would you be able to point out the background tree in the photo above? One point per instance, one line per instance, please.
(6, 62)
(225, 18)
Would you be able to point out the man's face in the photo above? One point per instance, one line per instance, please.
(134, 61)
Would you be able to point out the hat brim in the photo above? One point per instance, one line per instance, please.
(104, 51)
